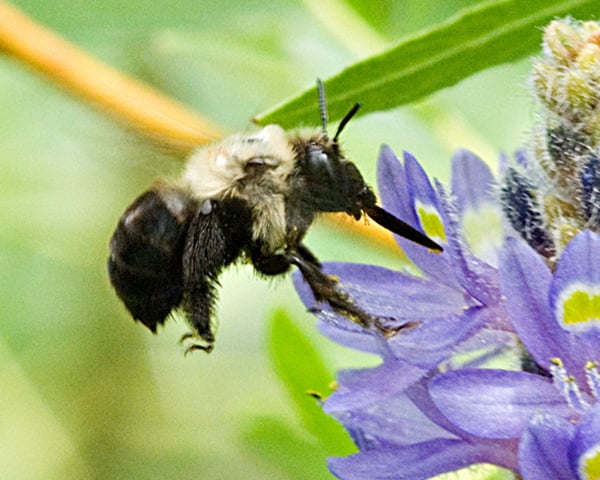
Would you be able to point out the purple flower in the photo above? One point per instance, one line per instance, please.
(459, 293)
(458, 310)
(438, 402)
(406, 436)
(555, 411)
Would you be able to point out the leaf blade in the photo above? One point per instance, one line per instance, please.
(301, 368)
(276, 443)
(477, 38)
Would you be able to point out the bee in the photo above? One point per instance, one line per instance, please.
(247, 198)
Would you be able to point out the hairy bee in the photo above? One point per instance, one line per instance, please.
(250, 197)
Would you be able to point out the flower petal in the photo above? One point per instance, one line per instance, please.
(393, 188)
(436, 339)
(356, 337)
(473, 187)
(525, 280)
(529, 285)
(399, 186)
(477, 277)
(585, 447)
(422, 194)
(363, 388)
(442, 318)
(494, 403)
(575, 297)
(388, 293)
(543, 448)
(419, 461)
(393, 421)
(472, 181)
(487, 345)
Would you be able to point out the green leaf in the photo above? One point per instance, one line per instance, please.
(276, 443)
(477, 38)
(302, 370)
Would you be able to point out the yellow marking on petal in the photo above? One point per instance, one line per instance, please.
(483, 230)
(582, 307)
(431, 222)
(579, 307)
(589, 464)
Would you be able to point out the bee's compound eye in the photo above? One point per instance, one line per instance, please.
(318, 158)
(319, 164)
(206, 207)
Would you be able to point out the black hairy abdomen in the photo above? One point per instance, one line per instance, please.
(146, 249)
(168, 251)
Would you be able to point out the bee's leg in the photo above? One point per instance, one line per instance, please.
(325, 288)
(200, 279)
(307, 255)
(199, 302)
(214, 242)
(270, 264)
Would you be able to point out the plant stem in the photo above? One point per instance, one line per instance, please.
(134, 104)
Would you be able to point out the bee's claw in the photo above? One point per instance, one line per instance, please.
(206, 346)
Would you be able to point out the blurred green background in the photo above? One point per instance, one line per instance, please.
(87, 393)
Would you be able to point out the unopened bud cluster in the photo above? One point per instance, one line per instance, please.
(555, 192)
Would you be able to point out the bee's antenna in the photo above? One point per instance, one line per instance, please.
(324, 115)
(346, 119)
(322, 106)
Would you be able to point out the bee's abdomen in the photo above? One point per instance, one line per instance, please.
(145, 265)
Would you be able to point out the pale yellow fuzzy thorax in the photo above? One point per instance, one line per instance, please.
(219, 171)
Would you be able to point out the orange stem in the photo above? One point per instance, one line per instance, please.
(370, 231)
(131, 102)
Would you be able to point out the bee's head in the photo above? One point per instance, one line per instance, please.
(332, 183)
